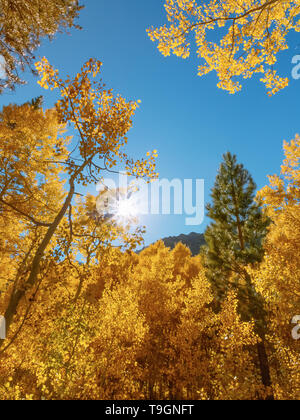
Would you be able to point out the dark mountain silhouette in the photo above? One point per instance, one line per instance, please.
(194, 241)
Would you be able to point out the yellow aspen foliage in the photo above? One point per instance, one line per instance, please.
(235, 39)
(141, 328)
(30, 190)
(24, 23)
(278, 276)
(40, 177)
(281, 200)
(104, 322)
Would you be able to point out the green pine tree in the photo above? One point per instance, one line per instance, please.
(234, 241)
(235, 237)
(36, 103)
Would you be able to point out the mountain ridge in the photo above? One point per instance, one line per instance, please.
(194, 241)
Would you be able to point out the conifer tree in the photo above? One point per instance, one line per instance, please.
(36, 103)
(234, 241)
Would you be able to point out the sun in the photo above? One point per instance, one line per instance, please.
(127, 209)
(120, 205)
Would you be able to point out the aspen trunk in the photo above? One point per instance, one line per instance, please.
(265, 368)
(18, 294)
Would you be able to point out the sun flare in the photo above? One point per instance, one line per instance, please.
(127, 208)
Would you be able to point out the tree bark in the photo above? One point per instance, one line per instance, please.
(263, 359)
(18, 294)
(238, 221)
(265, 369)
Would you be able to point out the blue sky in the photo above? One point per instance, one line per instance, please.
(186, 118)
